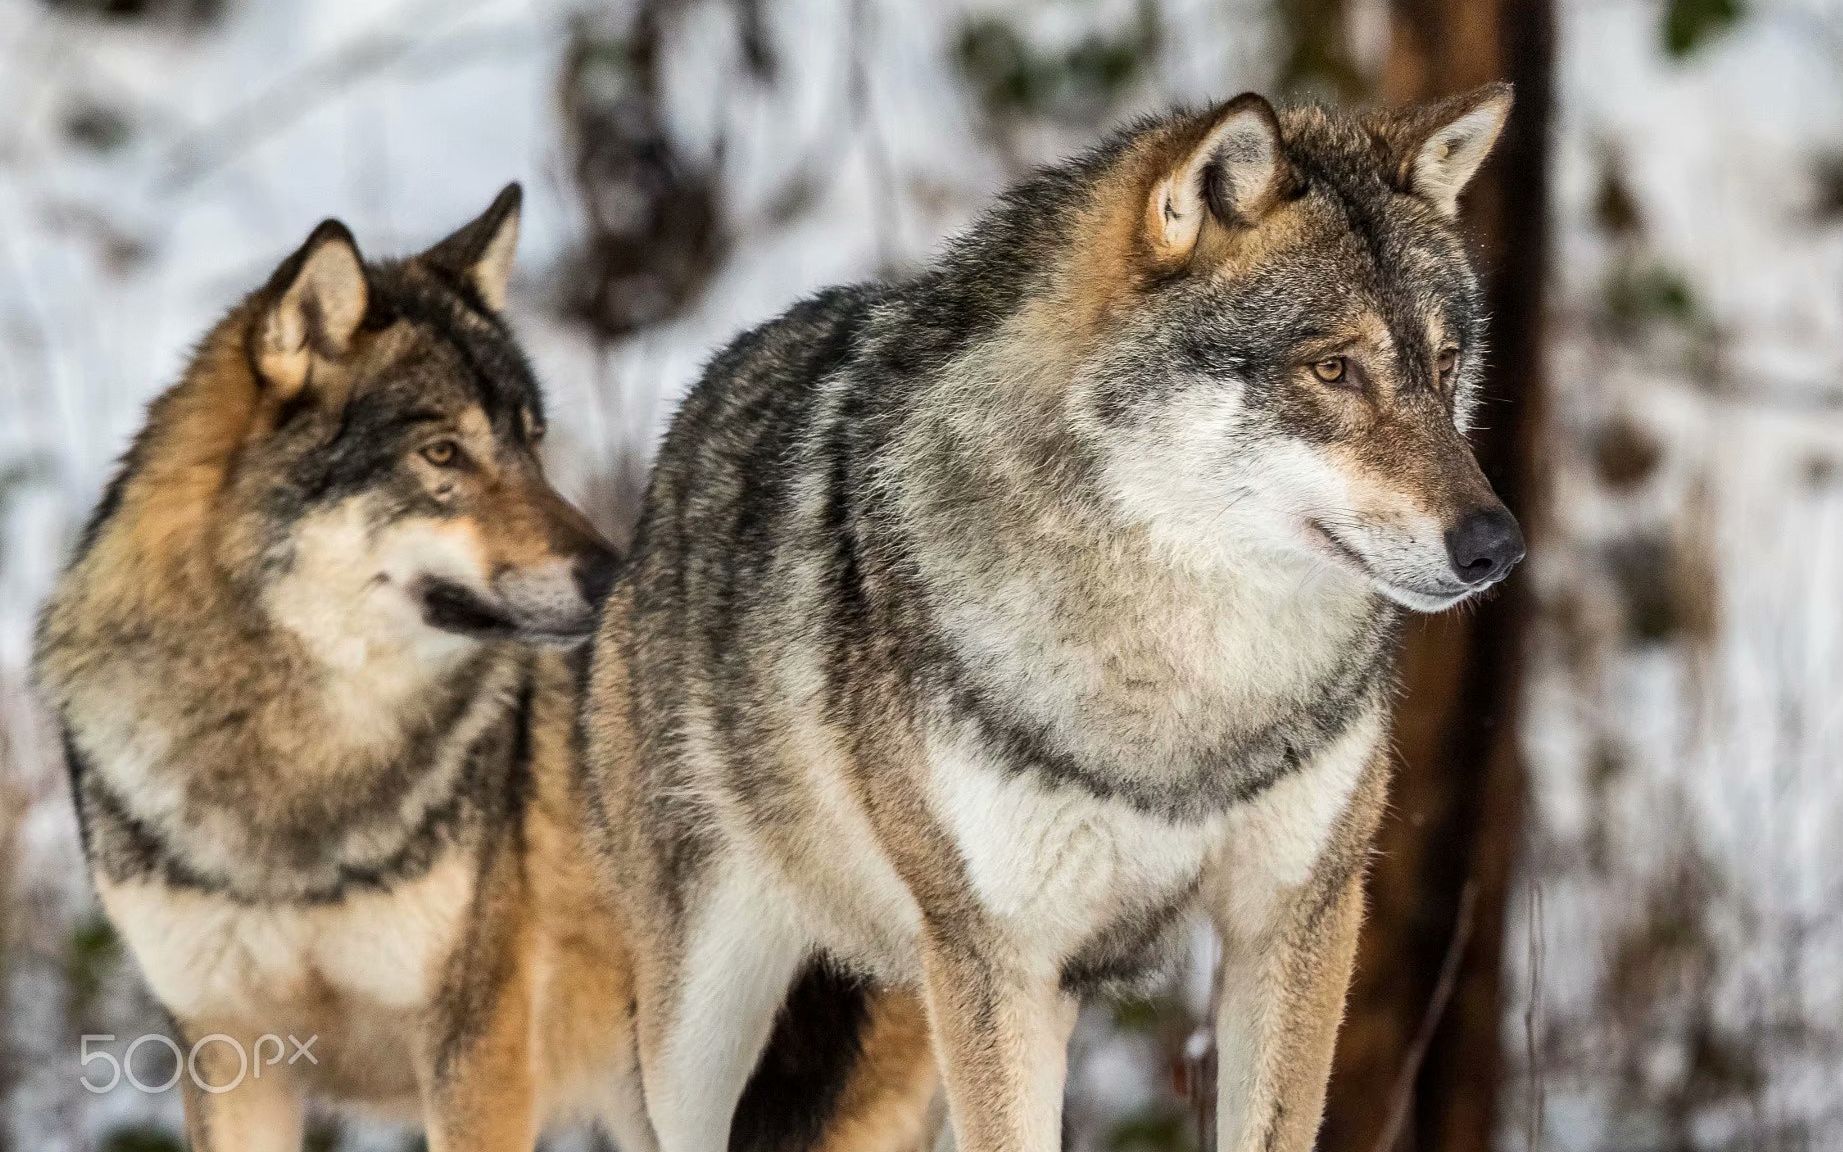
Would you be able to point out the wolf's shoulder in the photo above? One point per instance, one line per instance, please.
(799, 347)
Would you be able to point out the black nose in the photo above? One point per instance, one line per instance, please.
(1484, 546)
(595, 574)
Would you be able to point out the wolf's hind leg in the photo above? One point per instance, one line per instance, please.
(849, 1068)
(479, 1091)
(884, 1105)
(707, 1006)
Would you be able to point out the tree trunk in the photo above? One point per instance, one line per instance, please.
(1455, 823)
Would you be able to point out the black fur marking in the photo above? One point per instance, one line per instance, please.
(453, 608)
(76, 770)
(1233, 772)
(496, 367)
(477, 972)
(817, 1041)
(1139, 944)
(490, 787)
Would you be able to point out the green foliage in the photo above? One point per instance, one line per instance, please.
(1160, 1128)
(140, 1138)
(91, 954)
(1013, 77)
(1639, 295)
(1316, 57)
(1689, 24)
(1828, 175)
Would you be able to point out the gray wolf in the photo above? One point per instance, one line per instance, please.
(984, 628)
(317, 660)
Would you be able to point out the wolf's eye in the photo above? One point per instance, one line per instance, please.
(1448, 362)
(1332, 370)
(442, 453)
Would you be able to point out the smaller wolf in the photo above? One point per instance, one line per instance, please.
(983, 628)
(320, 722)
(322, 772)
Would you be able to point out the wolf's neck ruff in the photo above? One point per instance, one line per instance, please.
(229, 810)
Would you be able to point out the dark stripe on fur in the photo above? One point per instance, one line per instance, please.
(477, 972)
(1120, 958)
(492, 786)
(1230, 774)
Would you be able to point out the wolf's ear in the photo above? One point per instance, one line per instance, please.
(315, 303)
(481, 251)
(1442, 146)
(1235, 173)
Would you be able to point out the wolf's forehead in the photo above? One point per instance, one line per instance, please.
(1340, 280)
(1399, 264)
(469, 355)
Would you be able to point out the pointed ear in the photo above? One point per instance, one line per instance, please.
(1447, 142)
(314, 304)
(1234, 174)
(481, 252)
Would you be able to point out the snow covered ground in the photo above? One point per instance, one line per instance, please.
(1675, 967)
(1706, 757)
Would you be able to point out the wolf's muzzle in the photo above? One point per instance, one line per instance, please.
(1484, 546)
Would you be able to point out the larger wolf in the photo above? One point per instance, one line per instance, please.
(982, 627)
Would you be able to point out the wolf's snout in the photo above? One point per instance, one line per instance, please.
(1484, 546)
(595, 575)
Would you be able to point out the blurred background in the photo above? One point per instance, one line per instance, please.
(1608, 910)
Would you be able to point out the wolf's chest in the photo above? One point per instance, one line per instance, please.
(278, 965)
(1060, 866)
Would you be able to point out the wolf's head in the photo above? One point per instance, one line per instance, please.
(1290, 339)
(385, 484)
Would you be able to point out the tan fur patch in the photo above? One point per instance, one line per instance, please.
(884, 1107)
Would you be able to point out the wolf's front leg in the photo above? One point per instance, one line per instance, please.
(1287, 898)
(1001, 1032)
(1276, 1027)
(234, 1102)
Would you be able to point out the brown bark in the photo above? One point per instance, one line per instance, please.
(1458, 794)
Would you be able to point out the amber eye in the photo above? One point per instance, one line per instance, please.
(1332, 370)
(442, 453)
(1448, 362)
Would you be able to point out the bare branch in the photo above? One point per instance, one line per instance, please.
(1402, 1099)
